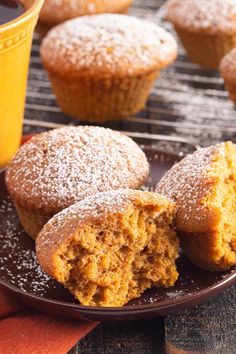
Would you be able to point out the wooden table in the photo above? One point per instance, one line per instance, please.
(208, 328)
(188, 102)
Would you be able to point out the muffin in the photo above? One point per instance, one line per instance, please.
(103, 67)
(207, 29)
(60, 167)
(203, 185)
(54, 12)
(110, 247)
(228, 72)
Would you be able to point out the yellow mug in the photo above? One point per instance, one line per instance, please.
(15, 45)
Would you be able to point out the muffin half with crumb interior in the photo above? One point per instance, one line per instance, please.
(228, 72)
(103, 67)
(203, 185)
(110, 247)
(56, 11)
(207, 29)
(63, 166)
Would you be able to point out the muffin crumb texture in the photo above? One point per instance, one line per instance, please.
(110, 247)
(203, 185)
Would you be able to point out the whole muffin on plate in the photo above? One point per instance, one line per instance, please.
(110, 247)
(228, 72)
(103, 67)
(56, 11)
(207, 29)
(63, 166)
(203, 185)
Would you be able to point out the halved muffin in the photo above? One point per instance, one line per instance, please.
(110, 247)
(203, 185)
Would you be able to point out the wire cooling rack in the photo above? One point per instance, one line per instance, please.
(187, 107)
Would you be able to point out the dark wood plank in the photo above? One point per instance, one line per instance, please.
(138, 337)
(205, 328)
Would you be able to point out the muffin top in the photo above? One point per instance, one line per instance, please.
(228, 66)
(107, 44)
(57, 11)
(63, 166)
(205, 16)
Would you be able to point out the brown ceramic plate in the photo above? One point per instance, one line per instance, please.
(20, 272)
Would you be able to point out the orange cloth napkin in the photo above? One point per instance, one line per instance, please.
(27, 331)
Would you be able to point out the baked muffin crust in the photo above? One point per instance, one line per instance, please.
(110, 247)
(211, 16)
(106, 45)
(57, 11)
(60, 167)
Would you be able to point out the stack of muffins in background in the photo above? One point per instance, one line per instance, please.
(75, 188)
(102, 64)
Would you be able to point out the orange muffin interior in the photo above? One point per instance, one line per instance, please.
(216, 250)
(225, 233)
(221, 240)
(114, 261)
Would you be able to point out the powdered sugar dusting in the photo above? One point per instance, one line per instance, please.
(24, 268)
(107, 44)
(79, 7)
(57, 11)
(60, 167)
(210, 15)
(188, 183)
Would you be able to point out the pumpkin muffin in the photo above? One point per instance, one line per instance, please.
(110, 247)
(228, 72)
(203, 185)
(207, 29)
(56, 11)
(103, 67)
(60, 167)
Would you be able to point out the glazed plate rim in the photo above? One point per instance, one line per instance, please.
(214, 289)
